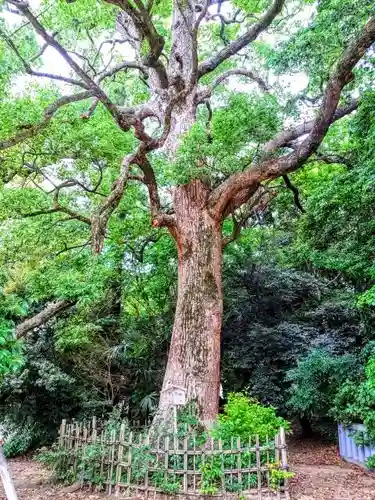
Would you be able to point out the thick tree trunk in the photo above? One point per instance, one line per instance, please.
(306, 428)
(193, 369)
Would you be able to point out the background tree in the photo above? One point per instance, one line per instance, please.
(71, 151)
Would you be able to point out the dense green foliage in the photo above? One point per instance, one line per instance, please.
(355, 399)
(298, 287)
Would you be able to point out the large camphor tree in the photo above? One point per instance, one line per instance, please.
(141, 94)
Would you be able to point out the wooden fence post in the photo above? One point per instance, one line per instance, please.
(10, 491)
(258, 462)
(119, 459)
(277, 448)
(284, 460)
(62, 433)
(129, 461)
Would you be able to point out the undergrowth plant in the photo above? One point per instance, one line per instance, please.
(244, 418)
(370, 462)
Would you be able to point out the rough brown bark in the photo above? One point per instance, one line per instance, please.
(194, 356)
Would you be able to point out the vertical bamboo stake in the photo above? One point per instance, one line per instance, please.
(158, 457)
(140, 442)
(284, 459)
(222, 465)
(268, 462)
(175, 420)
(147, 442)
(277, 455)
(112, 459)
(186, 465)
(277, 458)
(102, 446)
(248, 487)
(76, 448)
(259, 475)
(94, 427)
(277, 448)
(166, 457)
(129, 464)
(62, 433)
(84, 446)
(93, 440)
(109, 461)
(194, 464)
(68, 442)
(119, 458)
(176, 456)
(9, 489)
(231, 454)
(239, 462)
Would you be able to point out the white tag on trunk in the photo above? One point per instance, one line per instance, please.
(175, 396)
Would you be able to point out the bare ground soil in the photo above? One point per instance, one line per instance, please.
(320, 475)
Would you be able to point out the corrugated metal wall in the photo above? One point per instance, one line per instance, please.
(350, 450)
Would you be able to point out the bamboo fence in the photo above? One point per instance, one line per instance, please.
(127, 464)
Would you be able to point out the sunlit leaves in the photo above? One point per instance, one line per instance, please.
(237, 130)
(79, 14)
(248, 118)
(252, 6)
(17, 114)
(315, 48)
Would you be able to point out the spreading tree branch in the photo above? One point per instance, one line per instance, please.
(256, 205)
(249, 36)
(57, 207)
(50, 40)
(120, 67)
(206, 92)
(101, 218)
(140, 17)
(31, 72)
(333, 159)
(252, 75)
(51, 310)
(288, 136)
(275, 167)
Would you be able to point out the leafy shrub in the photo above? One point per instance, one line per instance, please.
(59, 460)
(278, 476)
(245, 418)
(37, 396)
(275, 317)
(370, 462)
(355, 400)
(316, 381)
(20, 439)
